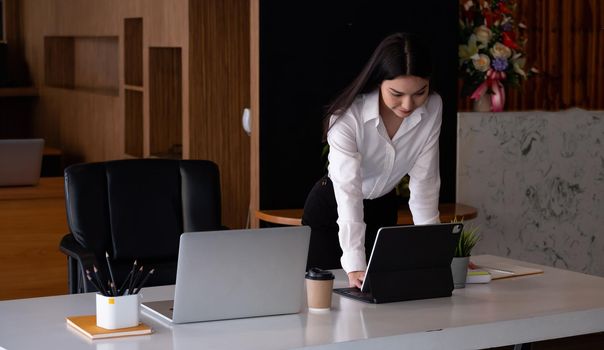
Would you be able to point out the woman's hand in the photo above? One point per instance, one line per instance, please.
(355, 278)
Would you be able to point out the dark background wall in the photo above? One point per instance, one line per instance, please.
(309, 51)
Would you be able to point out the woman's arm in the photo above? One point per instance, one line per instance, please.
(345, 173)
(424, 177)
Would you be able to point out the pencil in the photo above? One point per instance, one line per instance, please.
(98, 280)
(112, 287)
(121, 291)
(93, 282)
(110, 273)
(135, 282)
(144, 281)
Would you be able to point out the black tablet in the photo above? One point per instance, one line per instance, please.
(409, 262)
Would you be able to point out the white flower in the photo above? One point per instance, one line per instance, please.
(482, 62)
(501, 51)
(483, 34)
(466, 52)
(519, 66)
(468, 5)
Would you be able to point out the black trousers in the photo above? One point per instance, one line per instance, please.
(321, 214)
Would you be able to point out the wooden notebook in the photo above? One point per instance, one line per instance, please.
(87, 326)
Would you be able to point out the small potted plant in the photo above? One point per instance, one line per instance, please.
(461, 258)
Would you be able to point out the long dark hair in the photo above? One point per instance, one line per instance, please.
(398, 54)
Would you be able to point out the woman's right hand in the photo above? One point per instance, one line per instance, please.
(355, 278)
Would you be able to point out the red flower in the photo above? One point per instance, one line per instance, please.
(504, 9)
(488, 17)
(509, 42)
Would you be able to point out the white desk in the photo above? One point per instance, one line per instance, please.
(525, 309)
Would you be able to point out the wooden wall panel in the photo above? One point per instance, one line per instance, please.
(219, 90)
(134, 122)
(221, 38)
(133, 51)
(90, 127)
(165, 107)
(59, 54)
(96, 64)
(255, 111)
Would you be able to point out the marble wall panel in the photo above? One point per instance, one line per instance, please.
(537, 179)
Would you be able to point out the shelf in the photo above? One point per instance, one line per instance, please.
(51, 151)
(86, 63)
(97, 90)
(173, 152)
(134, 87)
(26, 91)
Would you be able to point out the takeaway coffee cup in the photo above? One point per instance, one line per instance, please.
(319, 285)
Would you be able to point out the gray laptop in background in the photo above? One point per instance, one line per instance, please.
(236, 274)
(20, 161)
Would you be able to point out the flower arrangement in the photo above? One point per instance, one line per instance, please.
(491, 50)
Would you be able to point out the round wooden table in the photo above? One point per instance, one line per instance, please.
(448, 212)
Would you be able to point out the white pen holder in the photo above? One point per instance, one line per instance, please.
(117, 312)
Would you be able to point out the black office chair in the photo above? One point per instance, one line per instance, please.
(136, 209)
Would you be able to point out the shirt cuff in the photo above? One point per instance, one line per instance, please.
(427, 221)
(354, 260)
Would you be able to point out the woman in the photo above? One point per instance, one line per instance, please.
(384, 125)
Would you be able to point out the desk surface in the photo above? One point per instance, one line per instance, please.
(448, 212)
(47, 187)
(554, 304)
(32, 222)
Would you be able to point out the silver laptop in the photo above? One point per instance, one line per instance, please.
(20, 161)
(236, 274)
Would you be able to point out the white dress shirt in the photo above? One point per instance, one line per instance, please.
(364, 163)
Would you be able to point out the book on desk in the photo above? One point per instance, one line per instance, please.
(87, 325)
(501, 270)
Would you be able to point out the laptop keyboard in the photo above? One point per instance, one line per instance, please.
(355, 293)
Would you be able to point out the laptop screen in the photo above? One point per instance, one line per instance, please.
(20, 161)
(238, 273)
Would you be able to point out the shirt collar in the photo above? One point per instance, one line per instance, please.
(371, 108)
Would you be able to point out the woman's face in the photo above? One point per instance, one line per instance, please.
(402, 95)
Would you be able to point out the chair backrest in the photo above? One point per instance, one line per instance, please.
(137, 208)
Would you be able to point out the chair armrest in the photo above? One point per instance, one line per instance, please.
(73, 249)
